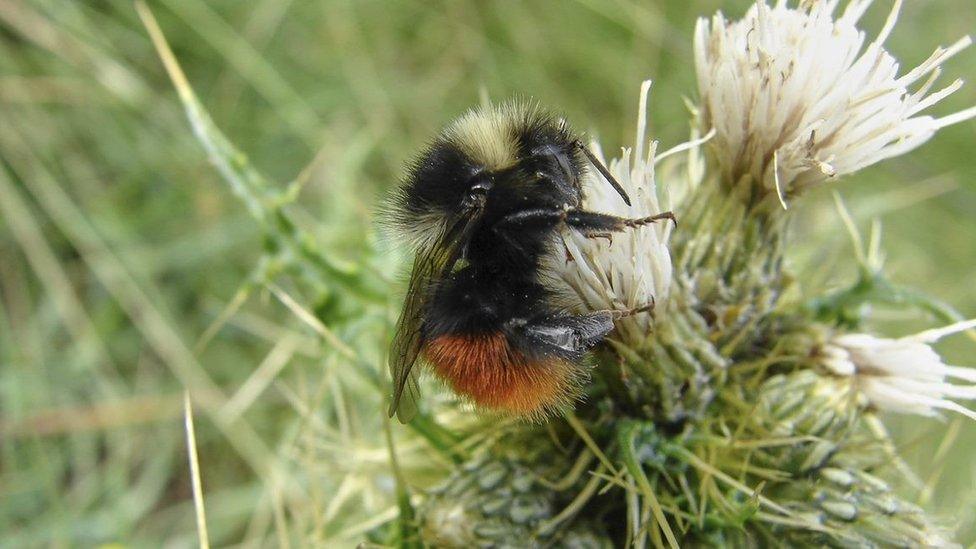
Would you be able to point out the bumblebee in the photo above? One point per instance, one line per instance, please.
(484, 205)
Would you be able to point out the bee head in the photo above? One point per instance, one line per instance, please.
(501, 158)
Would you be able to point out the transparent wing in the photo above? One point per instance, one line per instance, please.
(431, 265)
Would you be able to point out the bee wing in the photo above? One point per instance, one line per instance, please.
(408, 340)
(431, 264)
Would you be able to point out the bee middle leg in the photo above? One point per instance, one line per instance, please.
(515, 227)
(593, 224)
(567, 335)
(607, 235)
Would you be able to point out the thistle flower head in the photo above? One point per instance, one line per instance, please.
(903, 375)
(796, 98)
(630, 269)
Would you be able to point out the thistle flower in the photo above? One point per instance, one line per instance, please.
(903, 375)
(630, 269)
(795, 98)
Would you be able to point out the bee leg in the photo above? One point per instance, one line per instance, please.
(565, 336)
(517, 227)
(593, 222)
(617, 314)
(607, 235)
(651, 219)
(568, 336)
(535, 218)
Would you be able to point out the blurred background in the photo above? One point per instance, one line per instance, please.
(129, 270)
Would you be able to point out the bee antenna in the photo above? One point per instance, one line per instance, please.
(604, 172)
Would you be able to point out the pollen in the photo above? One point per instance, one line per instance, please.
(491, 373)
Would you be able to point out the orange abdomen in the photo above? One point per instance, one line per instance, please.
(494, 375)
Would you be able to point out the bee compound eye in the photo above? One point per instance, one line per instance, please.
(556, 162)
(545, 150)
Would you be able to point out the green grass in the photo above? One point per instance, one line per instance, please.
(120, 244)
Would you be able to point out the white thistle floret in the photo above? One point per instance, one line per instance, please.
(633, 268)
(795, 98)
(903, 375)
